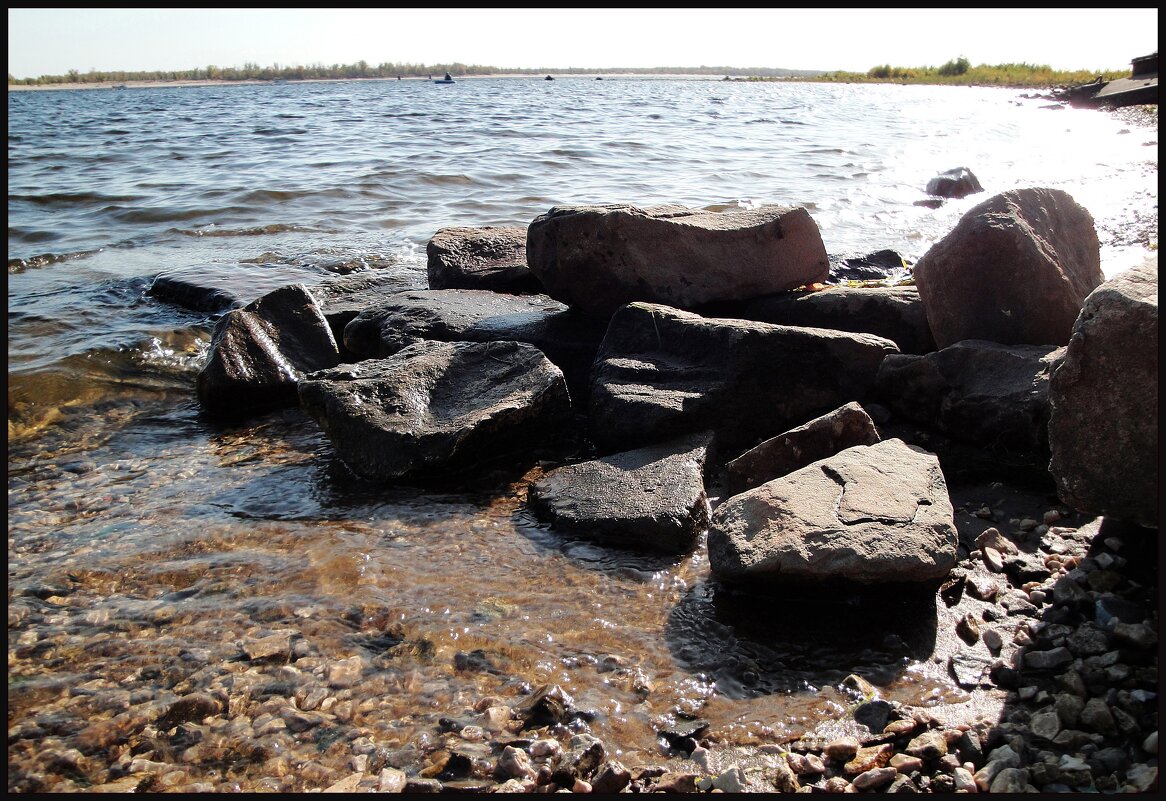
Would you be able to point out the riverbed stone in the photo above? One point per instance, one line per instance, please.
(259, 353)
(1103, 426)
(651, 498)
(490, 257)
(868, 515)
(661, 372)
(597, 258)
(435, 406)
(1015, 270)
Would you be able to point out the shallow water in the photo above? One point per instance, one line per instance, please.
(168, 540)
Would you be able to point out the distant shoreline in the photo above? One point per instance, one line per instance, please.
(540, 76)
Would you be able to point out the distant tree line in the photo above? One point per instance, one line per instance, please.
(957, 71)
(362, 69)
(960, 71)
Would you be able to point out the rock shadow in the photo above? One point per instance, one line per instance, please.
(754, 643)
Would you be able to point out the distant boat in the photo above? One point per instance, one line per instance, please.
(119, 86)
(444, 80)
(548, 78)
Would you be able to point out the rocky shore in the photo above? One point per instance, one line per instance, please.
(921, 450)
(1057, 623)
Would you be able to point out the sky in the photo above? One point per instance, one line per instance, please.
(52, 41)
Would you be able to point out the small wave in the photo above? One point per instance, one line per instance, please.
(159, 215)
(16, 266)
(265, 196)
(443, 180)
(259, 230)
(280, 131)
(74, 198)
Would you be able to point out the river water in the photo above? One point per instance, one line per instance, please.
(147, 543)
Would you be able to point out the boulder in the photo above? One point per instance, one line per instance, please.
(1014, 270)
(216, 288)
(1103, 428)
(569, 339)
(480, 258)
(436, 406)
(985, 393)
(894, 313)
(649, 499)
(342, 297)
(260, 352)
(661, 372)
(597, 258)
(818, 439)
(954, 183)
(869, 515)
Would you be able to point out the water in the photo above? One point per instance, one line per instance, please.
(173, 539)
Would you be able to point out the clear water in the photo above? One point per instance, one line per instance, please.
(176, 534)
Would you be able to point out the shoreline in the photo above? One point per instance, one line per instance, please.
(537, 76)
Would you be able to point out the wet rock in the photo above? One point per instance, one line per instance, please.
(490, 257)
(549, 704)
(612, 777)
(873, 779)
(193, 707)
(342, 297)
(957, 182)
(651, 498)
(259, 353)
(438, 406)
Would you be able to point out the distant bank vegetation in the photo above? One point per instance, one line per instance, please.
(961, 72)
(958, 71)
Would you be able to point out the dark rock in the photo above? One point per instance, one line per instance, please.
(981, 392)
(597, 258)
(259, 353)
(822, 437)
(438, 406)
(660, 373)
(954, 183)
(894, 313)
(1103, 429)
(216, 288)
(881, 265)
(548, 705)
(652, 498)
(570, 340)
(342, 297)
(492, 258)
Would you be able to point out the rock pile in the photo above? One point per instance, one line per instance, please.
(672, 398)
